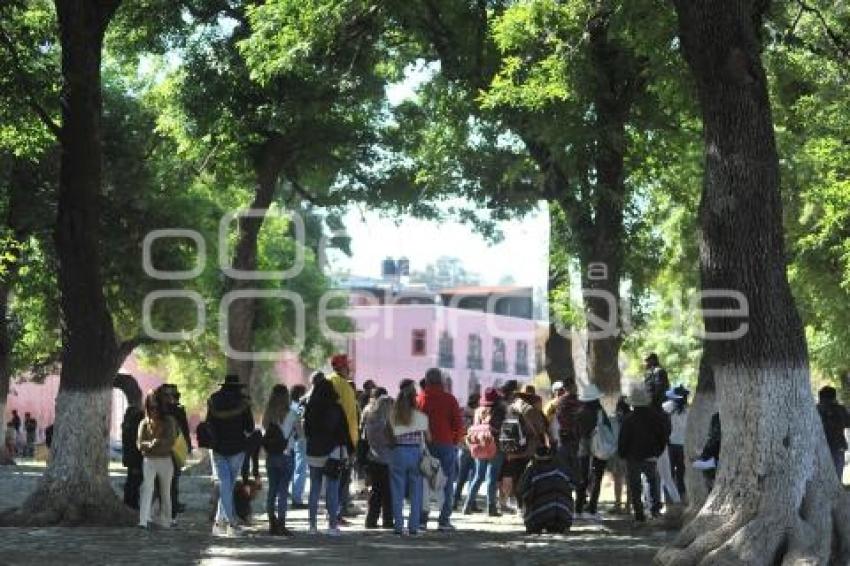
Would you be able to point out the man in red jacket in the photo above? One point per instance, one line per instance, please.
(447, 431)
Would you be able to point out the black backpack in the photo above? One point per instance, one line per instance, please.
(273, 440)
(513, 437)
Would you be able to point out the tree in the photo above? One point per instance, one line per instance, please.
(776, 498)
(76, 487)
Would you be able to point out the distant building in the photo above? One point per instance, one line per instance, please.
(479, 336)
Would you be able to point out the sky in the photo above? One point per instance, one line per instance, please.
(522, 254)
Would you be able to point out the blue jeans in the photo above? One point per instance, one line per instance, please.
(279, 469)
(406, 478)
(317, 477)
(466, 473)
(489, 470)
(299, 477)
(447, 455)
(227, 469)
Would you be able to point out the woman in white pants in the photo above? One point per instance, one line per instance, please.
(157, 433)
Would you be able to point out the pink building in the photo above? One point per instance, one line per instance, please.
(454, 331)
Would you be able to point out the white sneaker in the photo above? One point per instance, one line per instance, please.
(233, 530)
(219, 529)
(709, 464)
(334, 532)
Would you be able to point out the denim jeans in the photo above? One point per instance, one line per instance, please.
(466, 472)
(299, 476)
(317, 478)
(406, 478)
(227, 469)
(279, 469)
(447, 455)
(489, 470)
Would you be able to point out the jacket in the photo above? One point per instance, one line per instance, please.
(153, 445)
(657, 383)
(444, 415)
(378, 435)
(643, 435)
(348, 402)
(534, 425)
(229, 413)
(130, 455)
(326, 428)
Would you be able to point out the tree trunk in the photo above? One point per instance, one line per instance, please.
(777, 499)
(558, 347)
(5, 368)
(699, 418)
(75, 489)
(240, 318)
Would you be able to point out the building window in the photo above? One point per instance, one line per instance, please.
(500, 362)
(522, 358)
(474, 358)
(419, 344)
(446, 358)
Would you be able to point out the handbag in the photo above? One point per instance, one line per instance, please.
(180, 450)
(428, 464)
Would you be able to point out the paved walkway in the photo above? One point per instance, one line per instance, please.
(478, 541)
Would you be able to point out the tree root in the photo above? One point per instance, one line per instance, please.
(812, 536)
(57, 504)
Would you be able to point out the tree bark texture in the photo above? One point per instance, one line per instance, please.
(701, 410)
(776, 499)
(75, 489)
(558, 348)
(240, 318)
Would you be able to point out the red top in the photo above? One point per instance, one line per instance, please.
(445, 418)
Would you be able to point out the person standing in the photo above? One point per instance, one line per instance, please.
(231, 420)
(410, 434)
(655, 380)
(329, 446)
(565, 424)
(15, 425)
(281, 431)
(677, 407)
(445, 421)
(466, 467)
(491, 414)
(835, 419)
(131, 457)
(377, 432)
(157, 433)
(347, 399)
(170, 396)
(524, 408)
(31, 430)
(299, 474)
(590, 468)
(642, 440)
(550, 409)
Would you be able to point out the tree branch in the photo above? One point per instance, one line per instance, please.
(839, 43)
(28, 88)
(126, 347)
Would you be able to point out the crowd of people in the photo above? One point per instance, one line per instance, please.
(420, 447)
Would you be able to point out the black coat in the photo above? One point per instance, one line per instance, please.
(643, 435)
(229, 414)
(325, 427)
(130, 455)
(835, 419)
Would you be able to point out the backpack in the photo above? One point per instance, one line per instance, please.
(482, 445)
(603, 440)
(513, 438)
(274, 441)
(566, 413)
(206, 435)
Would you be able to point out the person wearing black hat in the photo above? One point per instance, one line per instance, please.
(229, 415)
(656, 381)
